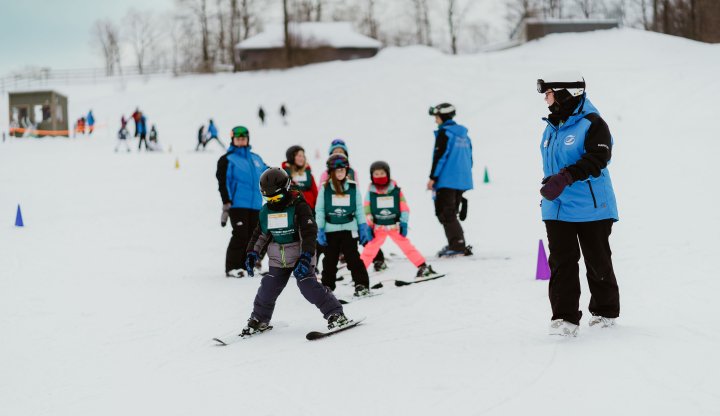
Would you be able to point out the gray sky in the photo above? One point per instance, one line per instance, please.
(56, 33)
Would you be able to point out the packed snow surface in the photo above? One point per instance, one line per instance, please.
(111, 293)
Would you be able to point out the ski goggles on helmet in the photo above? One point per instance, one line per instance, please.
(441, 109)
(274, 198)
(337, 142)
(240, 131)
(543, 86)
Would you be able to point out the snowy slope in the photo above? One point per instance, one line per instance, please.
(110, 295)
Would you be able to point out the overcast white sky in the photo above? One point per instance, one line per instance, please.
(56, 33)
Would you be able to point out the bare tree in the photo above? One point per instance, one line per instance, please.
(106, 36)
(587, 7)
(519, 10)
(422, 22)
(198, 8)
(142, 34)
(369, 21)
(286, 33)
(221, 35)
(456, 18)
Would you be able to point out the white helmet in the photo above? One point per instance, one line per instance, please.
(572, 81)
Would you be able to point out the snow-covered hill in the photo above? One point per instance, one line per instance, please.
(111, 293)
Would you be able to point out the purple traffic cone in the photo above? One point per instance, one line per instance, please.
(18, 218)
(543, 269)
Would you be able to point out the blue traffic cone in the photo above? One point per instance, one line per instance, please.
(18, 218)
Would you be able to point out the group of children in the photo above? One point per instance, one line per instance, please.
(335, 216)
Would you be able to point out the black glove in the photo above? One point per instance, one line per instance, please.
(225, 214)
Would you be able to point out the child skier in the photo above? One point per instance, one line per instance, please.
(339, 215)
(338, 146)
(288, 230)
(300, 172)
(387, 215)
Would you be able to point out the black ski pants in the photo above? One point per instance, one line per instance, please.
(343, 242)
(447, 207)
(243, 223)
(564, 289)
(275, 281)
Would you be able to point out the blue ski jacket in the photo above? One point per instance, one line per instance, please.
(238, 174)
(453, 167)
(583, 146)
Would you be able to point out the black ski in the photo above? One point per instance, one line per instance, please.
(315, 335)
(356, 298)
(400, 283)
(237, 336)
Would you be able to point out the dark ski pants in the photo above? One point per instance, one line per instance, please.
(564, 289)
(343, 242)
(447, 207)
(243, 223)
(275, 281)
(211, 139)
(141, 141)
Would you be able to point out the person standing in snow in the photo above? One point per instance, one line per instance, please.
(300, 173)
(261, 115)
(136, 118)
(122, 139)
(340, 219)
(141, 129)
(578, 205)
(288, 230)
(90, 122)
(450, 177)
(200, 138)
(238, 173)
(212, 134)
(283, 113)
(387, 215)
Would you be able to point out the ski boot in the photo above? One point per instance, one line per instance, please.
(236, 273)
(379, 265)
(361, 291)
(601, 321)
(253, 327)
(337, 320)
(564, 328)
(447, 252)
(425, 270)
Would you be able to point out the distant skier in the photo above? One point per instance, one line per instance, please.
(136, 115)
(387, 215)
(122, 139)
(154, 145)
(261, 115)
(142, 132)
(238, 173)
(90, 122)
(340, 216)
(450, 177)
(212, 134)
(283, 113)
(578, 205)
(200, 138)
(123, 122)
(300, 173)
(288, 230)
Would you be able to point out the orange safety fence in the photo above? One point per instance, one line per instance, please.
(21, 130)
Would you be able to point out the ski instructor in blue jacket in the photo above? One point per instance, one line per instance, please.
(450, 176)
(238, 174)
(578, 205)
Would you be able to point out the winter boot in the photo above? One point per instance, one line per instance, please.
(253, 327)
(425, 270)
(564, 328)
(361, 290)
(601, 321)
(447, 252)
(237, 273)
(337, 320)
(379, 265)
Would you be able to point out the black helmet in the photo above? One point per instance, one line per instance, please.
(446, 111)
(380, 165)
(274, 181)
(337, 161)
(291, 152)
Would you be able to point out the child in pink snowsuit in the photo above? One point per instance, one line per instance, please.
(387, 215)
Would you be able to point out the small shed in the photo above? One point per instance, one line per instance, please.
(312, 42)
(535, 28)
(38, 113)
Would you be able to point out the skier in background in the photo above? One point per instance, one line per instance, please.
(578, 205)
(136, 115)
(122, 139)
(154, 145)
(238, 173)
(287, 229)
(212, 134)
(450, 177)
(340, 217)
(283, 113)
(141, 127)
(387, 215)
(200, 138)
(90, 122)
(261, 115)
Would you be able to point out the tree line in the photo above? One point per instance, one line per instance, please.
(200, 35)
